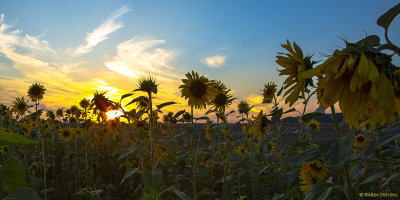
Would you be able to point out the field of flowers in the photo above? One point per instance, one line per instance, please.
(149, 153)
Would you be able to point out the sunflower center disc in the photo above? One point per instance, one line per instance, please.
(198, 89)
(220, 99)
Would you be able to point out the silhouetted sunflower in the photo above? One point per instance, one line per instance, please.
(84, 103)
(36, 92)
(101, 102)
(243, 107)
(269, 92)
(147, 84)
(221, 100)
(197, 89)
(60, 112)
(295, 64)
(20, 106)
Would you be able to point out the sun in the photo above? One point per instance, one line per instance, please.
(114, 113)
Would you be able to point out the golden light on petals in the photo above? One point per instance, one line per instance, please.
(114, 114)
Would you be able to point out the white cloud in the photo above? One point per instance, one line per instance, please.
(100, 33)
(214, 61)
(138, 56)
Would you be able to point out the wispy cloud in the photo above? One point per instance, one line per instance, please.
(137, 56)
(101, 33)
(214, 61)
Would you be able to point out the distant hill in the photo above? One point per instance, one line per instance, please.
(326, 118)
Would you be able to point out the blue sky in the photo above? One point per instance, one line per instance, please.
(76, 47)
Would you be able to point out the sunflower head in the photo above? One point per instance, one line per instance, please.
(33, 166)
(50, 115)
(221, 98)
(198, 89)
(271, 146)
(65, 134)
(147, 84)
(313, 125)
(243, 107)
(60, 112)
(312, 172)
(20, 106)
(260, 126)
(36, 92)
(239, 149)
(84, 103)
(169, 118)
(74, 110)
(100, 101)
(295, 64)
(360, 141)
(269, 92)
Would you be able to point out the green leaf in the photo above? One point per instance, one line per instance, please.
(23, 193)
(306, 156)
(288, 178)
(386, 135)
(336, 152)
(278, 196)
(307, 117)
(126, 95)
(130, 173)
(290, 110)
(375, 175)
(180, 194)
(128, 151)
(137, 99)
(202, 118)
(393, 176)
(387, 18)
(172, 157)
(232, 111)
(7, 137)
(276, 115)
(12, 174)
(152, 180)
(179, 113)
(165, 104)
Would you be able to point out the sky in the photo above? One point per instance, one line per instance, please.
(74, 48)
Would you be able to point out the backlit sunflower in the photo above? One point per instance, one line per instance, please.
(169, 118)
(198, 89)
(20, 106)
(60, 112)
(313, 125)
(269, 92)
(358, 78)
(260, 126)
(221, 100)
(311, 172)
(74, 110)
(243, 107)
(361, 141)
(50, 115)
(100, 102)
(66, 134)
(36, 92)
(294, 64)
(84, 103)
(147, 84)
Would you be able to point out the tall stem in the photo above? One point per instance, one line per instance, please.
(151, 132)
(194, 163)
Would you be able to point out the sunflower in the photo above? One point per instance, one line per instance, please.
(3, 149)
(60, 112)
(198, 89)
(147, 84)
(241, 197)
(361, 141)
(294, 64)
(84, 103)
(65, 134)
(20, 107)
(78, 132)
(50, 115)
(209, 132)
(101, 102)
(36, 92)
(169, 119)
(358, 77)
(313, 125)
(33, 166)
(25, 129)
(239, 149)
(269, 92)
(221, 100)
(75, 110)
(205, 159)
(243, 107)
(311, 172)
(260, 126)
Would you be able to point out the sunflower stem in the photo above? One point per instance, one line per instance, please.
(194, 164)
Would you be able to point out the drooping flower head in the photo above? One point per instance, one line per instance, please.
(100, 102)
(197, 89)
(294, 64)
(36, 92)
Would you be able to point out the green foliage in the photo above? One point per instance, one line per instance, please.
(12, 174)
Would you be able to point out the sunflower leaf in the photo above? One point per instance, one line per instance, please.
(336, 152)
(307, 117)
(128, 151)
(23, 193)
(386, 135)
(180, 194)
(386, 19)
(165, 104)
(137, 99)
(179, 113)
(12, 174)
(126, 95)
(130, 173)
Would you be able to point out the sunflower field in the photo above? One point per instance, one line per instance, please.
(149, 153)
